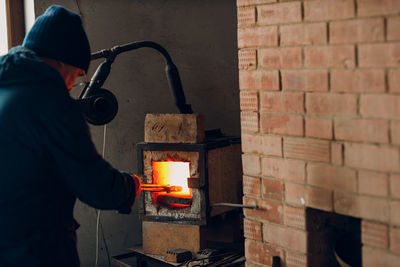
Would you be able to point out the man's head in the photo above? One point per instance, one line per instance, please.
(68, 73)
(58, 34)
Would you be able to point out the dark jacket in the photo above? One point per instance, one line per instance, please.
(47, 160)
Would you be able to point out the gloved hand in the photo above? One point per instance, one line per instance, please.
(138, 185)
(126, 207)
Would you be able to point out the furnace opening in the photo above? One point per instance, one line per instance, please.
(174, 173)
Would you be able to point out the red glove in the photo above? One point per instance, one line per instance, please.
(138, 185)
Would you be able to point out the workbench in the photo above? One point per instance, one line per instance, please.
(136, 257)
(142, 259)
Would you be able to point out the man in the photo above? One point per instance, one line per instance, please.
(47, 158)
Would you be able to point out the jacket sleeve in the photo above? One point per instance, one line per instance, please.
(68, 144)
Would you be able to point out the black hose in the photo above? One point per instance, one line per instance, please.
(171, 70)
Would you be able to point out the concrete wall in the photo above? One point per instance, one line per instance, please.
(201, 38)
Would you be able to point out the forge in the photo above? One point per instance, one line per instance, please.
(207, 165)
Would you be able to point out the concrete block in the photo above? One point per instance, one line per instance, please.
(159, 237)
(174, 128)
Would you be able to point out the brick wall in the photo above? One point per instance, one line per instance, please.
(320, 114)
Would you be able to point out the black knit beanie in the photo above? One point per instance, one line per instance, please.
(58, 34)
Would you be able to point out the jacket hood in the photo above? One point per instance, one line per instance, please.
(22, 65)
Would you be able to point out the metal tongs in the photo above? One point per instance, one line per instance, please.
(161, 188)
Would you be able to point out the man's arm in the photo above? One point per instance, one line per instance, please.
(81, 168)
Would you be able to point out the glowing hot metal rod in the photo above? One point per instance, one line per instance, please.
(161, 188)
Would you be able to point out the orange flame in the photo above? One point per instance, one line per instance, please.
(174, 173)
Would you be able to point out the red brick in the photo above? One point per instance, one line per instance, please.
(249, 121)
(247, 59)
(248, 101)
(361, 206)
(358, 81)
(304, 80)
(380, 106)
(285, 237)
(251, 186)
(260, 252)
(288, 57)
(313, 197)
(356, 31)
(284, 124)
(366, 130)
(250, 263)
(289, 170)
(332, 177)
(266, 210)
(257, 36)
(296, 260)
(272, 189)
(295, 217)
(374, 234)
(373, 257)
(259, 80)
(393, 26)
(279, 13)
(307, 149)
(337, 153)
(303, 34)
(246, 16)
(377, 7)
(395, 185)
(379, 55)
(266, 145)
(395, 213)
(331, 104)
(328, 10)
(251, 164)
(330, 56)
(271, 145)
(319, 127)
(395, 239)
(253, 2)
(394, 81)
(252, 229)
(319, 198)
(371, 157)
(282, 102)
(373, 183)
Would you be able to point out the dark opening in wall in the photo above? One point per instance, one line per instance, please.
(333, 239)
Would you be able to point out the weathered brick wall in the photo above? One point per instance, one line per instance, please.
(320, 114)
